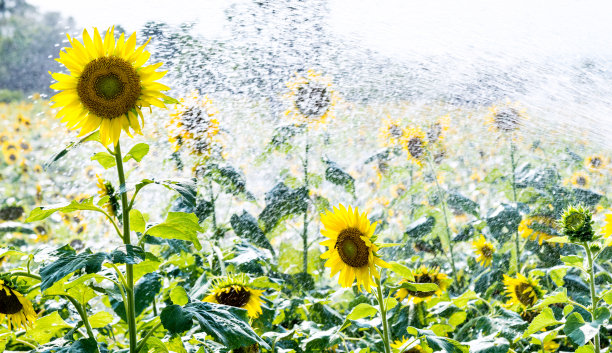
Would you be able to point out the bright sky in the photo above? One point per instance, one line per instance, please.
(398, 27)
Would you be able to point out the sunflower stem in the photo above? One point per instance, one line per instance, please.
(83, 314)
(143, 341)
(516, 233)
(129, 268)
(305, 230)
(594, 300)
(383, 315)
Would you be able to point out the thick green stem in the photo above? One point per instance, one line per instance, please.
(593, 293)
(305, 230)
(83, 314)
(143, 342)
(383, 315)
(516, 233)
(129, 268)
(445, 212)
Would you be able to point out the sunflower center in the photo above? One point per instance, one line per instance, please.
(395, 131)
(434, 132)
(507, 120)
(351, 248)
(487, 251)
(575, 220)
(109, 87)
(9, 303)
(236, 296)
(581, 181)
(195, 121)
(596, 162)
(522, 292)
(313, 99)
(415, 147)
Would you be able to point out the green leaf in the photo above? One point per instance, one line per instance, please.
(147, 266)
(586, 349)
(439, 344)
(559, 240)
(105, 159)
(574, 261)
(137, 152)
(94, 136)
(170, 100)
(558, 296)
(178, 225)
(489, 344)
(226, 324)
(246, 227)
(336, 175)
(461, 203)
(100, 319)
(421, 227)
(420, 287)
(155, 345)
(179, 296)
(146, 290)
(607, 296)
(557, 274)
(282, 202)
(15, 227)
(579, 331)
(231, 179)
(137, 221)
(281, 138)
(544, 319)
(402, 271)
(185, 187)
(68, 264)
(390, 303)
(128, 254)
(462, 300)
(47, 327)
(362, 310)
(42, 212)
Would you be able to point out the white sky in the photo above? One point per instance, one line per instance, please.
(397, 27)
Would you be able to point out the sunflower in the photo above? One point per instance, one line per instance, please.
(425, 274)
(437, 129)
(484, 250)
(595, 162)
(234, 290)
(413, 348)
(352, 251)
(415, 144)
(580, 180)
(24, 145)
(22, 120)
(9, 146)
(506, 118)
(607, 228)
(398, 190)
(15, 307)
(90, 172)
(550, 346)
(391, 132)
(108, 85)
(522, 291)
(11, 157)
(312, 96)
(193, 125)
(105, 188)
(538, 227)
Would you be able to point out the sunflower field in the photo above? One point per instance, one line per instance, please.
(139, 214)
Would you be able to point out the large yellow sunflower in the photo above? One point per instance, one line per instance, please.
(312, 98)
(538, 227)
(234, 290)
(412, 348)
(351, 249)
(596, 162)
(193, 125)
(107, 86)
(522, 291)
(425, 274)
(484, 250)
(15, 307)
(580, 180)
(415, 143)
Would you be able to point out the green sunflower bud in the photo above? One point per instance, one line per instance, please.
(577, 224)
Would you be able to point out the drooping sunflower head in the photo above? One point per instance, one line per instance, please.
(522, 291)
(595, 162)
(312, 98)
(437, 129)
(391, 132)
(235, 290)
(425, 274)
(107, 86)
(415, 144)
(401, 346)
(105, 188)
(576, 222)
(580, 180)
(506, 118)
(15, 307)
(485, 250)
(540, 227)
(193, 125)
(351, 250)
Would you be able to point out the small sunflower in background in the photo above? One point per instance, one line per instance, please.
(412, 348)
(391, 132)
(23, 120)
(16, 308)
(193, 125)
(437, 130)
(506, 118)
(425, 274)
(11, 157)
(415, 144)
(398, 190)
(485, 250)
(351, 249)
(550, 346)
(90, 172)
(522, 291)
(105, 188)
(596, 162)
(312, 98)
(234, 290)
(538, 227)
(108, 85)
(24, 146)
(580, 180)
(607, 227)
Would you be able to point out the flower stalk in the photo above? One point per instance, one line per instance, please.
(383, 315)
(594, 299)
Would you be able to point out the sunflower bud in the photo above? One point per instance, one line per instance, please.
(577, 224)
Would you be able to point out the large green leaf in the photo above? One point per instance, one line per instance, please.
(178, 225)
(42, 212)
(503, 221)
(246, 226)
(420, 227)
(282, 202)
(336, 175)
(489, 344)
(544, 319)
(232, 180)
(137, 152)
(362, 310)
(439, 344)
(226, 324)
(461, 203)
(581, 332)
(69, 263)
(47, 327)
(185, 187)
(105, 159)
(146, 290)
